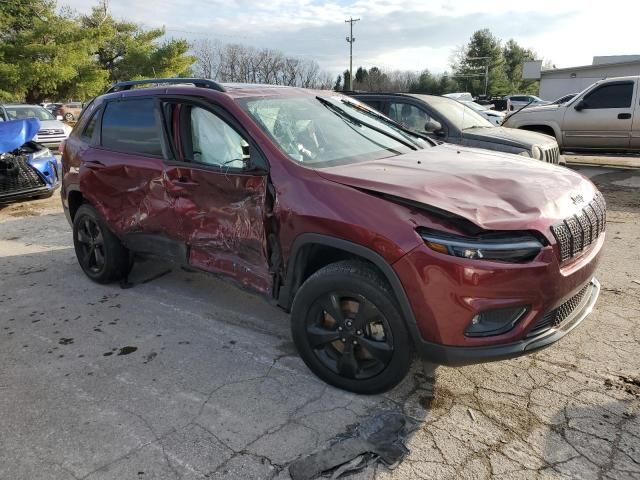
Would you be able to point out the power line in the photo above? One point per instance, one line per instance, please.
(350, 40)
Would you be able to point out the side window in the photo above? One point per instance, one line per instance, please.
(90, 131)
(201, 136)
(408, 115)
(615, 95)
(374, 104)
(132, 126)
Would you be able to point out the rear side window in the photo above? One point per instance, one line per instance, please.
(132, 126)
(615, 95)
(90, 131)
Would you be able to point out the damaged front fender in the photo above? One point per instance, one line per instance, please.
(15, 133)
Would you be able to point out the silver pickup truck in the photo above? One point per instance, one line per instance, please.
(603, 117)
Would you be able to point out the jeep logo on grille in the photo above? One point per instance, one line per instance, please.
(577, 199)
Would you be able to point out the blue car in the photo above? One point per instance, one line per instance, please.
(27, 169)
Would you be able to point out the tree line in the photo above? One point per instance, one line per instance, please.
(246, 64)
(58, 54)
(468, 69)
(46, 53)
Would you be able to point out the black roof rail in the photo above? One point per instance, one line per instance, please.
(198, 82)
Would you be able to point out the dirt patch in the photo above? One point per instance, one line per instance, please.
(31, 208)
(619, 197)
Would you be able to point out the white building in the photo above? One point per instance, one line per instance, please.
(557, 82)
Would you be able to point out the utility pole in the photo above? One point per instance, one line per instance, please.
(486, 71)
(350, 40)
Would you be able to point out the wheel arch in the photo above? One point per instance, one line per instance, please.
(302, 263)
(75, 199)
(545, 128)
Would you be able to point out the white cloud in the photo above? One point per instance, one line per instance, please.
(403, 34)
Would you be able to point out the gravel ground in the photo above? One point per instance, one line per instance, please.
(184, 376)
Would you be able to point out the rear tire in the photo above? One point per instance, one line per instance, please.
(348, 328)
(100, 253)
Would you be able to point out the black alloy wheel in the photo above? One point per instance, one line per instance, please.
(349, 335)
(90, 245)
(349, 330)
(100, 252)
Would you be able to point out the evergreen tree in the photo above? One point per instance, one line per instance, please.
(472, 66)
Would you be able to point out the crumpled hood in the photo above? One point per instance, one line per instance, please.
(509, 136)
(495, 191)
(15, 133)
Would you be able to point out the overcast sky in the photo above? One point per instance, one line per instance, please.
(401, 34)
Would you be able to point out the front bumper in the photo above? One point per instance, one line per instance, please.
(51, 143)
(13, 196)
(459, 356)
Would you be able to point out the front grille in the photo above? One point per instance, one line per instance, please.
(551, 155)
(49, 132)
(576, 233)
(16, 175)
(558, 315)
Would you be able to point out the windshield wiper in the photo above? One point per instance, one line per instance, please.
(393, 124)
(516, 112)
(342, 112)
(476, 126)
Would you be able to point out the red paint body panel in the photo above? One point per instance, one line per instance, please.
(225, 220)
(446, 293)
(494, 191)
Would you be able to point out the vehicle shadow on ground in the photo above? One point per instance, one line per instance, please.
(209, 356)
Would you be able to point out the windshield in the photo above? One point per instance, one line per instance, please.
(28, 111)
(476, 106)
(326, 131)
(460, 115)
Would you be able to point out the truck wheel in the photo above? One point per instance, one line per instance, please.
(100, 253)
(349, 330)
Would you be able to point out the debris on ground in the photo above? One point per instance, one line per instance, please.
(380, 438)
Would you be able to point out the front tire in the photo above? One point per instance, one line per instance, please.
(348, 328)
(100, 253)
(69, 117)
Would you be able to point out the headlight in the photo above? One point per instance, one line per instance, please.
(501, 247)
(525, 153)
(536, 152)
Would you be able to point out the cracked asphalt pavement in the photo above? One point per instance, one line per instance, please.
(184, 376)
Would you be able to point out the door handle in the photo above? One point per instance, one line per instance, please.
(185, 182)
(94, 164)
(624, 116)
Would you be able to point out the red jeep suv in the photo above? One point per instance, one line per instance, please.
(379, 242)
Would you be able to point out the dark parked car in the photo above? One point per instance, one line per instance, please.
(379, 243)
(27, 169)
(453, 122)
(69, 111)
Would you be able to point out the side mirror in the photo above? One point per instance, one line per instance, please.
(432, 126)
(246, 156)
(580, 105)
(59, 117)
